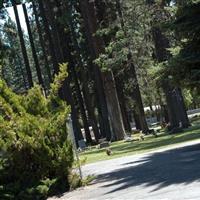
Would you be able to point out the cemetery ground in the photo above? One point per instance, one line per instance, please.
(150, 143)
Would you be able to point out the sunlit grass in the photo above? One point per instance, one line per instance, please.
(122, 148)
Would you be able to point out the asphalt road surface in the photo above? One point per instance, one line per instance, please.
(164, 175)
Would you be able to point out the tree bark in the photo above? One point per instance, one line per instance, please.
(182, 108)
(48, 34)
(34, 53)
(82, 107)
(67, 96)
(91, 112)
(23, 46)
(113, 106)
(137, 120)
(136, 95)
(175, 104)
(97, 47)
(82, 89)
(122, 103)
(42, 42)
(57, 35)
(136, 91)
(101, 101)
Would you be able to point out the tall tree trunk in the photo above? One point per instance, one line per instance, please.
(97, 47)
(137, 120)
(113, 106)
(122, 103)
(42, 42)
(91, 112)
(136, 91)
(65, 92)
(136, 95)
(86, 100)
(101, 101)
(66, 49)
(34, 53)
(165, 115)
(56, 32)
(175, 104)
(82, 107)
(163, 108)
(48, 34)
(82, 90)
(23, 46)
(176, 109)
(171, 107)
(182, 108)
(67, 96)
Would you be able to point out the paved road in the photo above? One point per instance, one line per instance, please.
(164, 175)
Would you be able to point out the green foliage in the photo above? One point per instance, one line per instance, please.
(121, 148)
(58, 80)
(35, 102)
(13, 71)
(184, 66)
(191, 98)
(35, 156)
(133, 35)
(130, 34)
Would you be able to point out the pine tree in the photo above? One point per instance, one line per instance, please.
(13, 67)
(33, 49)
(97, 47)
(23, 46)
(175, 103)
(185, 66)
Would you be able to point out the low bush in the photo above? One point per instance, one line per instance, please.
(35, 154)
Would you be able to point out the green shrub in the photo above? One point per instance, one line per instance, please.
(35, 154)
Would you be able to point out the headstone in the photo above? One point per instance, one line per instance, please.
(128, 139)
(102, 140)
(104, 145)
(82, 144)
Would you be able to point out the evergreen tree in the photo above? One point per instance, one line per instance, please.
(13, 70)
(184, 67)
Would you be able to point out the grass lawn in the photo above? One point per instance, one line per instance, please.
(122, 148)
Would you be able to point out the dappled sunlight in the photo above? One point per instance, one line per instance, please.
(150, 143)
(180, 166)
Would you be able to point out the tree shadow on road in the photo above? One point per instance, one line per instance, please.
(179, 166)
